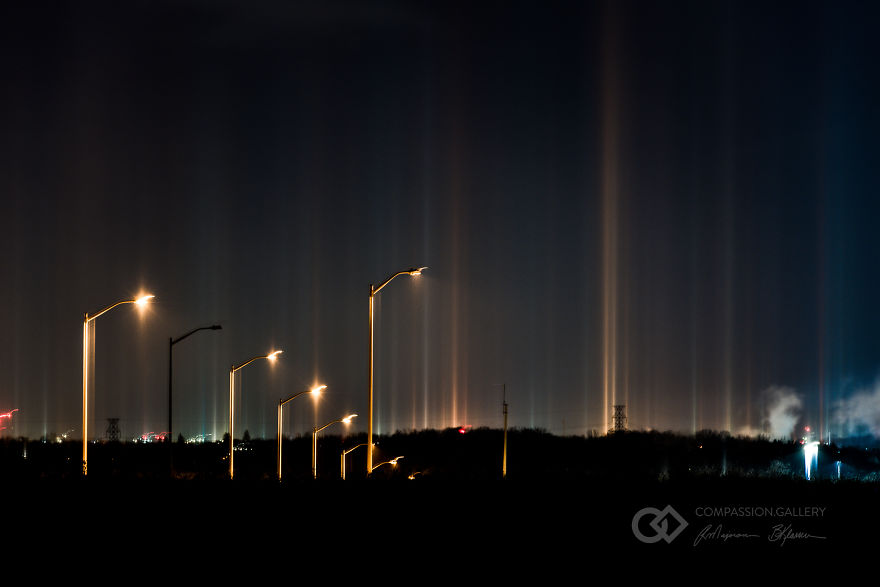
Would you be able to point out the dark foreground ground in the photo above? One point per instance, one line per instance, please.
(676, 505)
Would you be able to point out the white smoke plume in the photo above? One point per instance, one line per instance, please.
(782, 410)
(859, 413)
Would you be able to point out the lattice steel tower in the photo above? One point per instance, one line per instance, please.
(112, 433)
(619, 418)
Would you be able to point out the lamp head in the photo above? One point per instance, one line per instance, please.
(141, 301)
(216, 327)
(415, 271)
(347, 419)
(318, 389)
(273, 355)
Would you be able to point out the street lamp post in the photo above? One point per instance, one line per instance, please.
(342, 458)
(413, 271)
(171, 343)
(140, 302)
(315, 431)
(271, 356)
(314, 391)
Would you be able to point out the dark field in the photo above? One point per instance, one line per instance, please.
(562, 499)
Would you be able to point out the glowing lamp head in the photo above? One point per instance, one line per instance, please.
(318, 389)
(416, 271)
(142, 301)
(273, 355)
(347, 419)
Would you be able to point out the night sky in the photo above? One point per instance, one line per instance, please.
(668, 205)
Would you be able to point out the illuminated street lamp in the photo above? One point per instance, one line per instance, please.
(392, 462)
(342, 458)
(345, 420)
(413, 271)
(315, 391)
(140, 302)
(171, 343)
(271, 356)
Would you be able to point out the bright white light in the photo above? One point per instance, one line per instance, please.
(144, 299)
(318, 389)
(811, 457)
(347, 419)
(273, 355)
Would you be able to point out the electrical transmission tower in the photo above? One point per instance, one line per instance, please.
(619, 418)
(112, 433)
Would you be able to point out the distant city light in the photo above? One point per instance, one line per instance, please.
(152, 437)
(198, 439)
(6, 416)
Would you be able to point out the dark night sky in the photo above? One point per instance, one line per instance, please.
(669, 205)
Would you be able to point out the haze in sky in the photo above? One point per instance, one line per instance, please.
(670, 206)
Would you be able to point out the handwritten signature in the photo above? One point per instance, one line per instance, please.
(718, 533)
(782, 532)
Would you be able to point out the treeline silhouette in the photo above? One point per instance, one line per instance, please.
(450, 454)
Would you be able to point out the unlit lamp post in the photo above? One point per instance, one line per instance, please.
(171, 343)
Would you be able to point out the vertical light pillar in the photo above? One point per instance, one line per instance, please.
(231, 420)
(85, 398)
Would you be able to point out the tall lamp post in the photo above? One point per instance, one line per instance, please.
(315, 431)
(171, 343)
(314, 391)
(271, 356)
(413, 271)
(140, 302)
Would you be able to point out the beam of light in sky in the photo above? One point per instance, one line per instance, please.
(610, 220)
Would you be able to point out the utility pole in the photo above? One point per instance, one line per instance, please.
(504, 454)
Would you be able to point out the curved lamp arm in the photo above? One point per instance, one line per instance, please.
(271, 356)
(414, 271)
(346, 419)
(139, 301)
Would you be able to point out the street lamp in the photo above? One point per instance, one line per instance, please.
(342, 458)
(412, 271)
(315, 391)
(392, 462)
(315, 431)
(171, 343)
(271, 356)
(140, 302)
